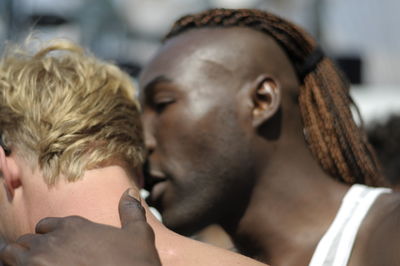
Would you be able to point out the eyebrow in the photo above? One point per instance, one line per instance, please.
(150, 86)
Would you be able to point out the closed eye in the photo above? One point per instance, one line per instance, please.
(162, 104)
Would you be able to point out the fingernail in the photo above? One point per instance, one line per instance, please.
(134, 193)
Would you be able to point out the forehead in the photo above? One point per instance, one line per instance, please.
(212, 55)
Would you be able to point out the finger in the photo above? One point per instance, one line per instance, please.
(29, 240)
(3, 244)
(48, 225)
(130, 208)
(13, 254)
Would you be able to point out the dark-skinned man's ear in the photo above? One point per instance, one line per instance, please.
(266, 96)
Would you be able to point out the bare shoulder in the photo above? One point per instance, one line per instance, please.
(378, 242)
(193, 253)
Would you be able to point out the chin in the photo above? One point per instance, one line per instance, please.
(181, 225)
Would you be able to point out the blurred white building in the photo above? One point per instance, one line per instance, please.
(369, 28)
(129, 32)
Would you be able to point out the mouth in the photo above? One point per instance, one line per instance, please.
(155, 183)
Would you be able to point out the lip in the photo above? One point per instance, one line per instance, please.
(153, 177)
(155, 174)
(156, 179)
(157, 193)
(155, 182)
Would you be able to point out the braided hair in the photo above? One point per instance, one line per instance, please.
(338, 144)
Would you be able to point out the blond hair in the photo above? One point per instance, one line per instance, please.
(67, 111)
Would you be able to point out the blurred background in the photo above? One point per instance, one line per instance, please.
(361, 35)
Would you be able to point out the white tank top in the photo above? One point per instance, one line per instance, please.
(334, 248)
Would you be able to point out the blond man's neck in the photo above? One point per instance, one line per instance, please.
(96, 198)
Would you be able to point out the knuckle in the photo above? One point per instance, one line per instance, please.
(50, 242)
(21, 239)
(72, 221)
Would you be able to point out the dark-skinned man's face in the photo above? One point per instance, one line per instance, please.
(198, 140)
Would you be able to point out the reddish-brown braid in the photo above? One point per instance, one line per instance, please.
(340, 146)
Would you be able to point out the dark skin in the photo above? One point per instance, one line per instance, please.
(235, 85)
(226, 144)
(226, 99)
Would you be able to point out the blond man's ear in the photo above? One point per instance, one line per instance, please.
(9, 170)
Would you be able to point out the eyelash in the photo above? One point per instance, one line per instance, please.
(159, 106)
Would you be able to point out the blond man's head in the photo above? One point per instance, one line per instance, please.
(65, 111)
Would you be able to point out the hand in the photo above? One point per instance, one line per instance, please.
(77, 241)
(3, 244)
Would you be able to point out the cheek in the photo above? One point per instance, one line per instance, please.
(194, 133)
(176, 139)
(197, 138)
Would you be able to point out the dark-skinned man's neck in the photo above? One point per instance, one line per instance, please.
(293, 203)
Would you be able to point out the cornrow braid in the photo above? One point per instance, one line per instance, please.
(339, 145)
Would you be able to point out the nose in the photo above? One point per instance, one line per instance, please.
(149, 139)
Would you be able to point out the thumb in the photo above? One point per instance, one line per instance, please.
(130, 208)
